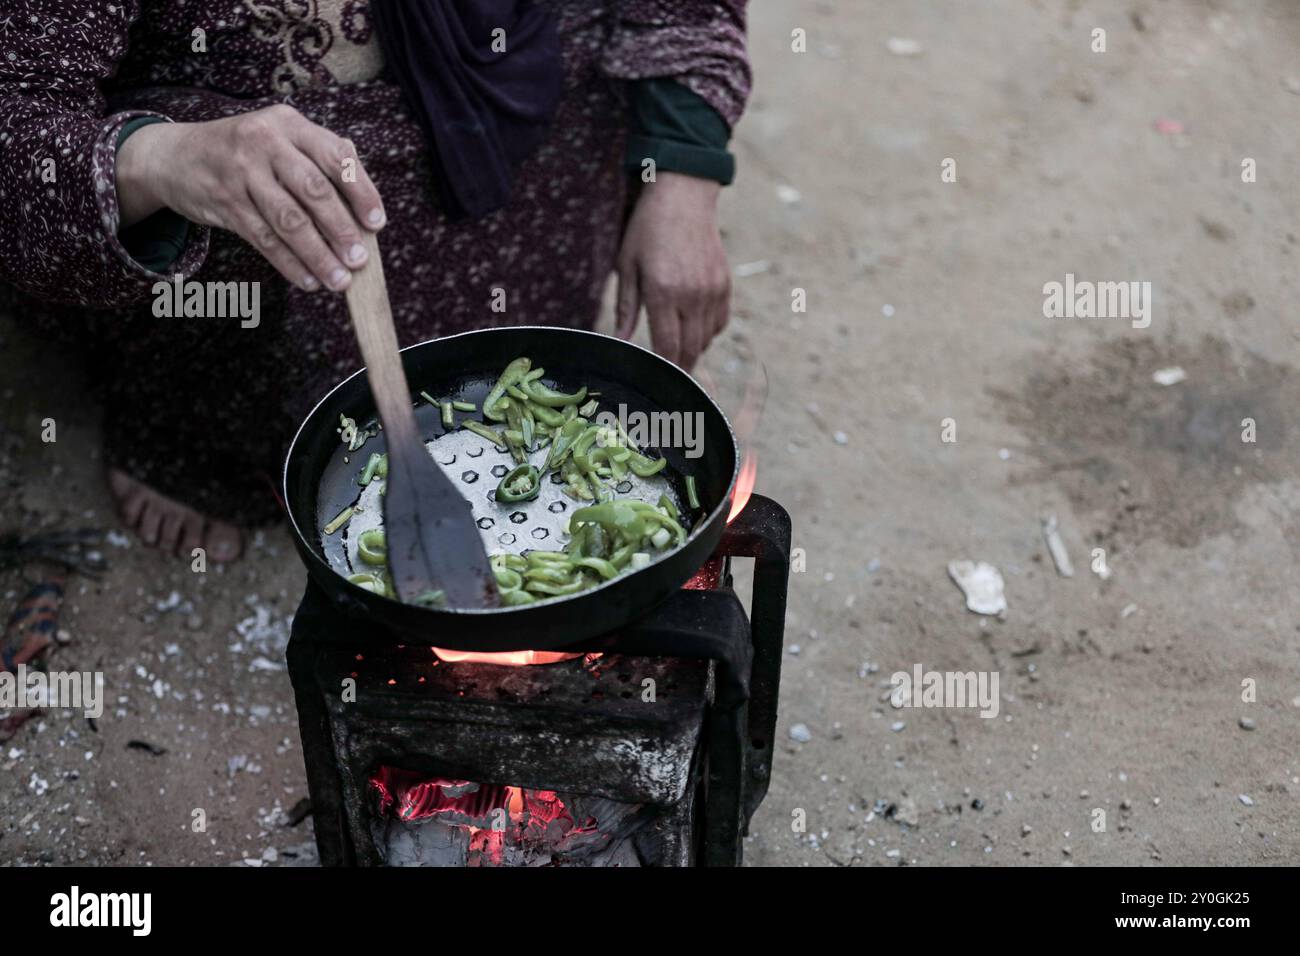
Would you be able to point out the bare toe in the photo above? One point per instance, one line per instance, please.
(150, 522)
(129, 494)
(223, 541)
(132, 508)
(175, 528)
(169, 531)
(191, 534)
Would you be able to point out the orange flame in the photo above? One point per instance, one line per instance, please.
(744, 484)
(504, 658)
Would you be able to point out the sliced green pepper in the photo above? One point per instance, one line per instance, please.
(515, 444)
(542, 395)
(339, 521)
(645, 467)
(514, 372)
(484, 432)
(368, 581)
(618, 518)
(604, 568)
(372, 547)
(547, 416)
(521, 484)
(514, 562)
(692, 494)
(563, 443)
(554, 574)
(541, 587)
(508, 580)
(536, 558)
(376, 465)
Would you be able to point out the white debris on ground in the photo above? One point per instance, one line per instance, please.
(903, 46)
(1168, 376)
(982, 585)
(265, 632)
(757, 267)
(1056, 547)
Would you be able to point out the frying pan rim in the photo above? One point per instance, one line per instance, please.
(700, 526)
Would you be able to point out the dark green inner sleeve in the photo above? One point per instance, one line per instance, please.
(677, 129)
(156, 241)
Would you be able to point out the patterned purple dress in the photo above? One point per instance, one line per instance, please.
(201, 408)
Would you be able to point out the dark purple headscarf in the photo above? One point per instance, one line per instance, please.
(482, 110)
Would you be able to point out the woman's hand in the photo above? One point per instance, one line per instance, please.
(672, 261)
(292, 189)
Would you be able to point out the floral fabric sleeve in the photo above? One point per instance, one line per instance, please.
(58, 192)
(699, 43)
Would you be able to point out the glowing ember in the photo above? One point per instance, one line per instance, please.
(504, 658)
(493, 816)
(744, 484)
(707, 577)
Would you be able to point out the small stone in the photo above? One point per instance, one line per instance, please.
(1245, 800)
(1246, 723)
(840, 438)
(787, 194)
(1126, 804)
(800, 733)
(907, 812)
(903, 46)
(1025, 829)
(897, 725)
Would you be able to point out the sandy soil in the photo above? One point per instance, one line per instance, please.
(925, 303)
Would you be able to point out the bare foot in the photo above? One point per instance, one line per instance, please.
(169, 525)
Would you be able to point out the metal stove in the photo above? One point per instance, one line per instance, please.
(655, 752)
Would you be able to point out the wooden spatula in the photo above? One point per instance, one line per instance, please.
(433, 543)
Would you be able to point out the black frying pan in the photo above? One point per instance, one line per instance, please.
(318, 484)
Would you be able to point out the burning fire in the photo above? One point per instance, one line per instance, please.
(506, 658)
(706, 577)
(494, 815)
(744, 484)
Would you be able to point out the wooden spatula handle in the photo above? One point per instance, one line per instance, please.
(373, 320)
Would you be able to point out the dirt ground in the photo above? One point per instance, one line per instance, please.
(924, 303)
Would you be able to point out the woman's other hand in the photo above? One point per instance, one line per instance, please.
(673, 263)
(292, 189)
